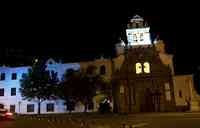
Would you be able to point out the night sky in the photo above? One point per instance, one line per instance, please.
(88, 30)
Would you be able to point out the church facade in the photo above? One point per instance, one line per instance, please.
(143, 81)
(143, 76)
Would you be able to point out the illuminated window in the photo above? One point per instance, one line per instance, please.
(167, 92)
(138, 67)
(146, 67)
(121, 90)
(130, 37)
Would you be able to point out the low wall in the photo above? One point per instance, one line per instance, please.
(195, 106)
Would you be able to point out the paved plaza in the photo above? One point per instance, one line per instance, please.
(146, 120)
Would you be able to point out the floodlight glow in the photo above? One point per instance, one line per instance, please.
(36, 60)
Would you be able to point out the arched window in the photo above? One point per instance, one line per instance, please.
(146, 67)
(121, 89)
(102, 70)
(138, 67)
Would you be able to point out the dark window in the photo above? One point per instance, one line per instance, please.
(102, 70)
(14, 76)
(141, 37)
(180, 94)
(50, 62)
(2, 76)
(135, 37)
(50, 107)
(13, 91)
(2, 92)
(1, 106)
(30, 107)
(137, 25)
(24, 75)
(12, 108)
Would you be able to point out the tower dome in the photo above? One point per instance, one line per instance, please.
(136, 22)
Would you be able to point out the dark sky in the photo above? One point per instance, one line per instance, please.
(86, 30)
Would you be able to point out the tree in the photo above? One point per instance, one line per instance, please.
(196, 78)
(39, 84)
(66, 89)
(82, 85)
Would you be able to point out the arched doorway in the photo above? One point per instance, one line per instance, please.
(146, 100)
(149, 106)
(150, 100)
(156, 100)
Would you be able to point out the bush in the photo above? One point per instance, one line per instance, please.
(104, 108)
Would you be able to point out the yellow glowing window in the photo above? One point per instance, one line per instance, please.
(138, 67)
(146, 67)
(121, 89)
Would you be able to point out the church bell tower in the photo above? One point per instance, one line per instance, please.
(138, 32)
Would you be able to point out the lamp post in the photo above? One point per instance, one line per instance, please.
(19, 105)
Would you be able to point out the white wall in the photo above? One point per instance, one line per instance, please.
(186, 85)
(20, 104)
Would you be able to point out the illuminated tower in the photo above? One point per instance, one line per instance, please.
(138, 32)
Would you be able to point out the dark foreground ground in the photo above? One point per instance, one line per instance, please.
(147, 120)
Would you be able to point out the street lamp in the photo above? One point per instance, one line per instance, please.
(19, 105)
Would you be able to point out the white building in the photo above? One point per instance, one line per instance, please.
(10, 97)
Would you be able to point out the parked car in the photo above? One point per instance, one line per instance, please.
(6, 115)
